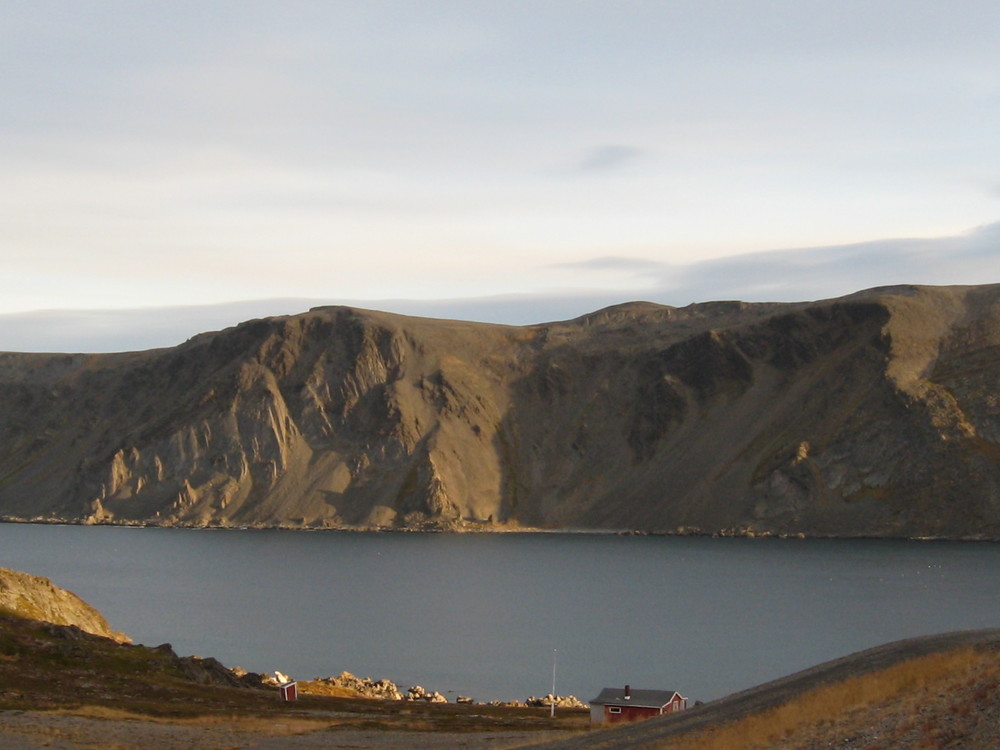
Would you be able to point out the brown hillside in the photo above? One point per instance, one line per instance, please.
(873, 414)
(63, 688)
(933, 692)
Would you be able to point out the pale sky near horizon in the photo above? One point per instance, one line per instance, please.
(162, 154)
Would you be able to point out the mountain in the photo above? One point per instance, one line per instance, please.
(875, 414)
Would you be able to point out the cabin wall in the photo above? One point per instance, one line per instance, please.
(628, 713)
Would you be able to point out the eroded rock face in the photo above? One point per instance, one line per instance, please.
(874, 414)
(37, 598)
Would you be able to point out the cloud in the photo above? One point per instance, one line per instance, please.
(151, 328)
(608, 158)
(613, 263)
(779, 276)
(798, 274)
(824, 272)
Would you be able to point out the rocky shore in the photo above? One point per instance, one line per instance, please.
(347, 684)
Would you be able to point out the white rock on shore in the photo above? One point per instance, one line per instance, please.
(387, 690)
(366, 686)
(417, 693)
(561, 701)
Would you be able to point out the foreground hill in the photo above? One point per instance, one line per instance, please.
(940, 691)
(873, 414)
(38, 598)
(61, 687)
(64, 687)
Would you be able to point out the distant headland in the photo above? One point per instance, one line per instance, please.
(872, 415)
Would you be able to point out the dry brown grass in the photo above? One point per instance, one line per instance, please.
(258, 725)
(63, 676)
(821, 707)
(318, 687)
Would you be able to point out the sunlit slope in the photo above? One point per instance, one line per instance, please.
(873, 414)
(37, 598)
(935, 691)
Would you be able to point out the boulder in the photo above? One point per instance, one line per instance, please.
(419, 693)
(365, 687)
(561, 701)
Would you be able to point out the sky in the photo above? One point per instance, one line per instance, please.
(173, 167)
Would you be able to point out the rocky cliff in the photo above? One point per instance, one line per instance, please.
(872, 414)
(37, 598)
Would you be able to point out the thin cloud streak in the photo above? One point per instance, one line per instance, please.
(818, 273)
(778, 276)
(612, 263)
(607, 158)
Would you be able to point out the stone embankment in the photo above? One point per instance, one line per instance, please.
(366, 687)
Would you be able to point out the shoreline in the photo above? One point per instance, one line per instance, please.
(854, 699)
(348, 685)
(732, 533)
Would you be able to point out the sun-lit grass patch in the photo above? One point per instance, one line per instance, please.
(55, 670)
(820, 709)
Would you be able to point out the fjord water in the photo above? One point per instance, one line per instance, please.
(487, 615)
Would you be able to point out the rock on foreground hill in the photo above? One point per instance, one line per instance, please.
(37, 598)
(873, 414)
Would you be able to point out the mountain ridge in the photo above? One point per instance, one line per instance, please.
(873, 414)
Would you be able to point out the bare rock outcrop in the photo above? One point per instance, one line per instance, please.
(37, 598)
(872, 414)
(365, 687)
(210, 671)
(560, 701)
(421, 694)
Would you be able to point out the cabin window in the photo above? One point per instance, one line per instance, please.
(614, 709)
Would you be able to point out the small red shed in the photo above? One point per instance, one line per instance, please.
(288, 691)
(615, 705)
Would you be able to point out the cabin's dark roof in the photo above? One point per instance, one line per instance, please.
(643, 698)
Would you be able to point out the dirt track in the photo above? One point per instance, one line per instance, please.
(33, 730)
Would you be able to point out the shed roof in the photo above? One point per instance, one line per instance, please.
(644, 698)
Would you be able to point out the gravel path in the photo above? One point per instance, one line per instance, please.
(29, 730)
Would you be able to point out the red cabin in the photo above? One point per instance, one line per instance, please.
(288, 691)
(614, 705)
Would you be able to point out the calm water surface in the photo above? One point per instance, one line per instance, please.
(486, 615)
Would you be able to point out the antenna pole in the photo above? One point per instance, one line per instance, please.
(553, 712)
